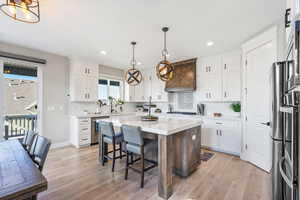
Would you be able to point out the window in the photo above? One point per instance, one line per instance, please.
(109, 87)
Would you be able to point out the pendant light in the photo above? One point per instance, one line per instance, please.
(164, 69)
(133, 76)
(22, 10)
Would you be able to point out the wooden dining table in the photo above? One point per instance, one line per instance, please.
(19, 177)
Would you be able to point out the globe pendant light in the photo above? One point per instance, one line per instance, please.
(164, 69)
(133, 76)
(22, 10)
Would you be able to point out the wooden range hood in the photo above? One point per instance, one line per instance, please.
(184, 76)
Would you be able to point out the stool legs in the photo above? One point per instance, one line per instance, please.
(142, 168)
(120, 151)
(127, 163)
(114, 157)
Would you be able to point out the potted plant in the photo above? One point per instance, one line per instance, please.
(236, 107)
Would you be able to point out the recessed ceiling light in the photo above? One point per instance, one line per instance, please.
(103, 52)
(139, 63)
(209, 43)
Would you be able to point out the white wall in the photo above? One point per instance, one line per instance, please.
(55, 84)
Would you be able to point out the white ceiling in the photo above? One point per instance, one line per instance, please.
(84, 28)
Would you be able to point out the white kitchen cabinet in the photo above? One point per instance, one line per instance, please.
(208, 79)
(83, 81)
(84, 68)
(139, 95)
(209, 137)
(150, 86)
(129, 93)
(223, 136)
(219, 79)
(92, 88)
(158, 92)
(231, 70)
(230, 139)
(80, 131)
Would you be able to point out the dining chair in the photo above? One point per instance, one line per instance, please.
(28, 139)
(136, 144)
(110, 137)
(39, 151)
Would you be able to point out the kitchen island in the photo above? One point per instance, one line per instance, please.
(179, 143)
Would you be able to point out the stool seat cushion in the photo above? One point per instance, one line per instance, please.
(118, 138)
(149, 145)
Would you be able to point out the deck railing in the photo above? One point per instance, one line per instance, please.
(18, 125)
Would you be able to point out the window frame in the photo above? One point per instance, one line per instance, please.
(112, 78)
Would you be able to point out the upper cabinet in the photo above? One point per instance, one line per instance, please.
(83, 81)
(150, 86)
(218, 78)
(231, 73)
(209, 86)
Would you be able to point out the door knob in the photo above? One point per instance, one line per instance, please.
(266, 124)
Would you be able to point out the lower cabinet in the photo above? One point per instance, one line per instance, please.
(80, 131)
(224, 136)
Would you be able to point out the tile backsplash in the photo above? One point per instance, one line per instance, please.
(210, 108)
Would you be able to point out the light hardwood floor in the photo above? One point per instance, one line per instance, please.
(76, 174)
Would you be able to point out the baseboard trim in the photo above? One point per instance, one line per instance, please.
(60, 145)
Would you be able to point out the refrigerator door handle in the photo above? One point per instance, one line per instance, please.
(283, 175)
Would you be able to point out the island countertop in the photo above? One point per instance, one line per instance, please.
(164, 125)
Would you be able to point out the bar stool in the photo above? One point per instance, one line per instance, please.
(137, 145)
(108, 136)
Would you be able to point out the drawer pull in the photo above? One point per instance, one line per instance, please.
(84, 139)
(219, 123)
(84, 129)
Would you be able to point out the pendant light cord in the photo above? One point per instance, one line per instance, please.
(133, 57)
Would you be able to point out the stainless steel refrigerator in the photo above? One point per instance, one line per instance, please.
(285, 86)
(277, 92)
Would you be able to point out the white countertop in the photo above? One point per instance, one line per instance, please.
(182, 116)
(164, 126)
(102, 115)
(179, 116)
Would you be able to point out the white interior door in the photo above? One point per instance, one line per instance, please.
(1, 102)
(258, 142)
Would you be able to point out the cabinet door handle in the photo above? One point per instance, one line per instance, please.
(221, 133)
(210, 95)
(225, 66)
(217, 132)
(287, 21)
(225, 94)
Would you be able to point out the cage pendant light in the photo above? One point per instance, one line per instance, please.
(164, 69)
(22, 10)
(133, 76)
